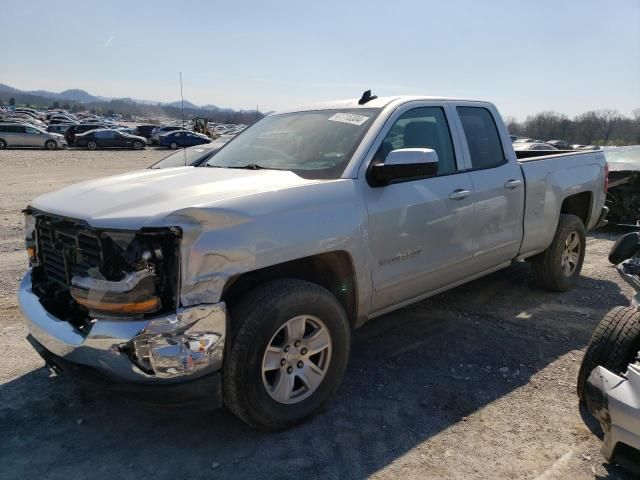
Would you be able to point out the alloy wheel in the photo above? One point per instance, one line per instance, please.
(571, 254)
(296, 359)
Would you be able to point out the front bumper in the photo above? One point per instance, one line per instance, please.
(203, 391)
(615, 402)
(167, 349)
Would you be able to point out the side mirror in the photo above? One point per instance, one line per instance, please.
(406, 163)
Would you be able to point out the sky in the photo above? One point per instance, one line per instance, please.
(568, 56)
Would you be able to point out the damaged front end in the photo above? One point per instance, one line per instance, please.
(81, 273)
(109, 299)
(623, 195)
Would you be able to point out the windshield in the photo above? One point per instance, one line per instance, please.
(315, 144)
(185, 157)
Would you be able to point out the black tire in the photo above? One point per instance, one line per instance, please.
(254, 320)
(624, 248)
(3, 144)
(547, 267)
(92, 145)
(137, 145)
(173, 146)
(50, 145)
(614, 344)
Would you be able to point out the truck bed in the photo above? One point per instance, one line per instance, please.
(551, 178)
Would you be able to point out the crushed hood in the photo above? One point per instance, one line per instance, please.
(143, 198)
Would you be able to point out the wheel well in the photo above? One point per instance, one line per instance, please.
(333, 271)
(578, 205)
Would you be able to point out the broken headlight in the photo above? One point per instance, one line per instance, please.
(135, 274)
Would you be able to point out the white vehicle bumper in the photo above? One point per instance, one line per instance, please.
(615, 402)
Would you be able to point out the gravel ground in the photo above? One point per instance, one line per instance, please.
(475, 383)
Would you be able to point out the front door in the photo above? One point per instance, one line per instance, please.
(419, 229)
(33, 137)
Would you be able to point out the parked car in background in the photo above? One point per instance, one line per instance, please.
(144, 130)
(60, 128)
(520, 146)
(589, 147)
(74, 130)
(623, 196)
(109, 138)
(20, 135)
(182, 138)
(560, 144)
(155, 134)
(128, 130)
(192, 156)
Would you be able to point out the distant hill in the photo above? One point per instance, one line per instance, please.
(178, 104)
(76, 99)
(82, 96)
(74, 94)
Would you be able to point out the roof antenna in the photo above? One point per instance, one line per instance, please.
(366, 97)
(184, 151)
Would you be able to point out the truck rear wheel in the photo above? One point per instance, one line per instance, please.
(290, 343)
(614, 344)
(558, 267)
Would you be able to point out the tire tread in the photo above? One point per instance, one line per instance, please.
(546, 270)
(242, 329)
(614, 344)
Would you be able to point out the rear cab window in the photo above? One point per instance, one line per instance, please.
(483, 139)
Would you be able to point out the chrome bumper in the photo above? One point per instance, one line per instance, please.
(176, 347)
(615, 401)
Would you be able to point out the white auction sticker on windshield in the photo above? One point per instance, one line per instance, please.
(351, 118)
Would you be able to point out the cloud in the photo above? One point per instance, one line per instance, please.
(109, 40)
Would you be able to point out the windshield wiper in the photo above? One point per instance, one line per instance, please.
(250, 166)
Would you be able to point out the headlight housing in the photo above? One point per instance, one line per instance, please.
(137, 275)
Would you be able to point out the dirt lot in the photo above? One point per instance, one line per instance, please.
(478, 382)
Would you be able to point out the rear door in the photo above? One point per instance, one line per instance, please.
(418, 229)
(498, 185)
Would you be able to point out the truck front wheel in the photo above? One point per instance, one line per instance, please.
(558, 268)
(289, 351)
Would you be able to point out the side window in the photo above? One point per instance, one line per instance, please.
(485, 147)
(422, 127)
(106, 134)
(15, 129)
(32, 131)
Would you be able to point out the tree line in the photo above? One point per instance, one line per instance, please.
(595, 127)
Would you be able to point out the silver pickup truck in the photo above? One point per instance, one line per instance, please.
(240, 281)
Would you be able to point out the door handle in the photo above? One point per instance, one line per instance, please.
(511, 184)
(459, 194)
